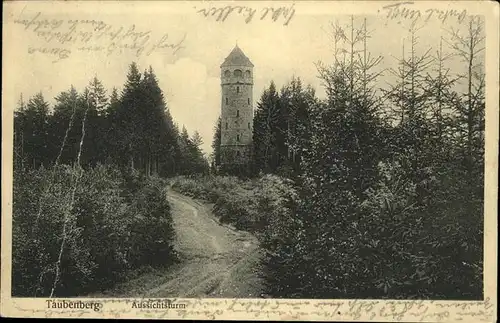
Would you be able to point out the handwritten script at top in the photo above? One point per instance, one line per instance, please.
(221, 13)
(282, 309)
(402, 10)
(62, 37)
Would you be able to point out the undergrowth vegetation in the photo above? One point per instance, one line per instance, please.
(387, 245)
(235, 201)
(106, 223)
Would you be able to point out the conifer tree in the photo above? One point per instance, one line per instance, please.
(36, 131)
(159, 135)
(98, 97)
(114, 101)
(66, 125)
(19, 132)
(142, 125)
(216, 144)
(110, 133)
(295, 102)
(338, 164)
(265, 130)
(129, 119)
(411, 103)
(469, 108)
(196, 139)
(95, 144)
(440, 89)
(192, 160)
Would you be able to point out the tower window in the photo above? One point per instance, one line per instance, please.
(248, 73)
(248, 100)
(227, 73)
(237, 113)
(227, 101)
(238, 73)
(249, 125)
(238, 138)
(226, 125)
(237, 89)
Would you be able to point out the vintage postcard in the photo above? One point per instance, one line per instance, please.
(239, 160)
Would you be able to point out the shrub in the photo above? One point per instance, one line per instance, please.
(114, 222)
(151, 230)
(431, 237)
(234, 199)
(401, 239)
(208, 188)
(281, 235)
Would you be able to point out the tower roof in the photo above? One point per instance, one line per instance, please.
(237, 57)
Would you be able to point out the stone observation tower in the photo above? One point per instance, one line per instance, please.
(236, 110)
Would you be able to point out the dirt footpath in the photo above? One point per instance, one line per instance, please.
(216, 260)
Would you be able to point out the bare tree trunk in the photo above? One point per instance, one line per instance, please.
(22, 149)
(402, 91)
(439, 94)
(470, 120)
(351, 76)
(148, 165)
(468, 48)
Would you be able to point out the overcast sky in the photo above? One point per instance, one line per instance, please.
(189, 74)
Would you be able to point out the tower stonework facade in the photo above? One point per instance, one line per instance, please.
(236, 110)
